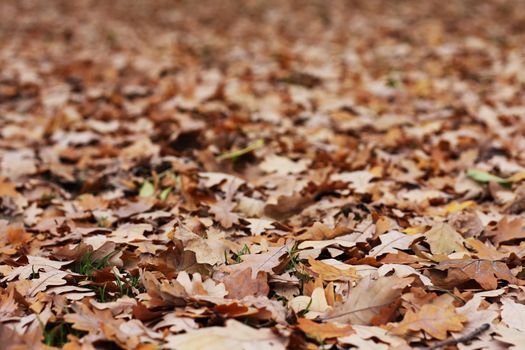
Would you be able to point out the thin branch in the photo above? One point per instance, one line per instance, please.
(464, 339)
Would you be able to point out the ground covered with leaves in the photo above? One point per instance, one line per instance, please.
(262, 174)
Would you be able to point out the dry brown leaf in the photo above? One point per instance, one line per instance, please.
(435, 320)
(392, 241)
(331, 273)
(507, 230)
(322, 331)
(240, 284)
(282, 165)
(208, 250)
(92, 321)
(485, 272)
(367, 298)
(223, 212)
(320, 232)
(7, 188)
(513, 314)
(443, 239)
(234, 335)
(485, 250)
(260, 262)
(288, 205)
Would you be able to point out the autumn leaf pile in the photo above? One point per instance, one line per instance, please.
(262, 174)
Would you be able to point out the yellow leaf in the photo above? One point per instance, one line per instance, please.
(414, 230)
(517, 177)
(455, 206)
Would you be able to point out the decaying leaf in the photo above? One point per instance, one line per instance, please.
(367, 298)
(323, 330)
(508, 230)
(240, 284)
(262, 174)
(283, 165)
(435, 320)
(234, 335)
(331, 273)
(513, 314)
(392, 242)
(443, 239)
(260, 262)
(485, 272)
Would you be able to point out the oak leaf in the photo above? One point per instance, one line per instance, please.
(443, 239)
(85, 319)
(359, 180)
(234, 335)
(323, 331)
(435, 320)
(320, 232)
(485, 272)
(514, 337)
(367, 298)
(208, 250)
(260, 262)
(513, 314)
(476, 315)
(392, 241)
(240, 284)
(507, 230)
(35, 265)
(222, 210)
(282, 165)
(331, 273)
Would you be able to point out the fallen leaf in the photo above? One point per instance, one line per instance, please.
(484, 272)
(234, 335)
(359, 180)
(507, 230)
(513, 314)
(331, 273)
(435, 320)
(240, 284)
(282, 165)
(208, 250)
(320, 232)
(514, 337)
(7, 188)
(392, 242)
(260, 262)
(485, 250)
(322, 331)
(476, 315)
(223, 212)
(443, 239)
(367, 298)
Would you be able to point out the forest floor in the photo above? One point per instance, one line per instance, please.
(262, 174)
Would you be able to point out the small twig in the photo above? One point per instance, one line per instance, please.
(461, 300)
(464, 339)
(351, 312)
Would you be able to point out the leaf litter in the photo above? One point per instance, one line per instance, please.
(262, 175)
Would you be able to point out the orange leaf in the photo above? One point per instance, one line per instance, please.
(329, 272)
(323, 331)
